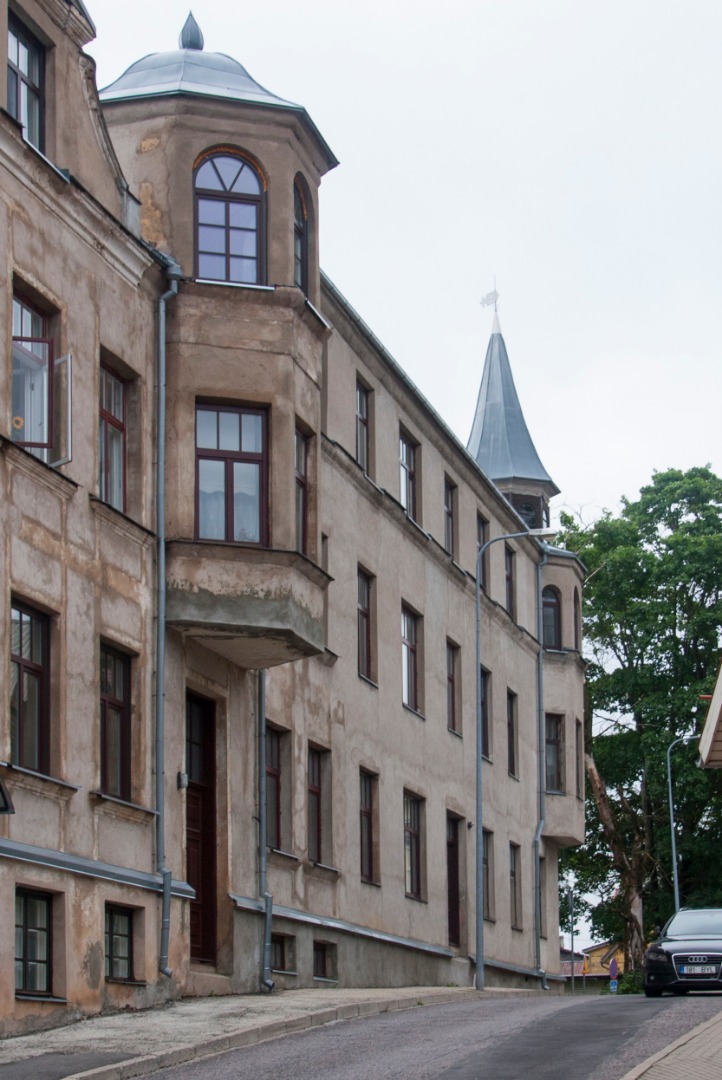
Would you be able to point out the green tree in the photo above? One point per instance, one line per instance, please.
(653, 624)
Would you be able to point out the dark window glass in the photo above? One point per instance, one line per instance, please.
(453, 718)
(482, 535)
(450, 517)
(408, 454)
(273, 788)
(580, 759)
(364, 624)
(301, 467)
(515, 885)
(33, 942)
(26, 64)
(488, 841)
(551, 618)
(320, 960)
(409, 658)
(366, 809)
(412, 845)
(315, 806)
(231, 474)
(511, 727)
(362, 426)
(509, 579)
(111, 439)
(485, 701)
(118, 942)
(554, 752)
(33, 378)
(229, 221)
(115, 748)
(278, 953)
(300, 240)
(577, 622)
(29, 684)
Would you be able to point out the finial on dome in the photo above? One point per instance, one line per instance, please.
(191, 36)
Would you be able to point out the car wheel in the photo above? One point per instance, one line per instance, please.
(652, 991)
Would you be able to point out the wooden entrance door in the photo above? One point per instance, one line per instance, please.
(452, 869)
(201, 824)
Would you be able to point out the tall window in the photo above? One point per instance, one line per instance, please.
(300, 240)
(512, 733)
(26, 62)
(408, 458)
(410, 658)
(485, 701)
(363, 418)
(118, 942)
(577, 621)
(231, 474)
(111, 439)
(33, 942)
(301, 466)
(229, 219)
(450, 496)
(29, 687)
(509, 580)
(273, 788)
(453, 712)
(115, 749)
(367, 816)
(482, 535)
(488, 840)
(515, 885)
(579, 759)
(551, 618)
(365, 654)
(412, 845)
(33, 377)
(554, 752)
(319, 805)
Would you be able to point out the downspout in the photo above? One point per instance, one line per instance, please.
(266, 980)
(541, 737)
(173, 275)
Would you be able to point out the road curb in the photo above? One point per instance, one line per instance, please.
(641, 1070)
(274, 1029)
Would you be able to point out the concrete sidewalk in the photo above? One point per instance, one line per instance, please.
(129, 1044)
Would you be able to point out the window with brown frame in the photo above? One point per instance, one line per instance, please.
(231, 474)
(368, 783)
(300, 240)
(33, 378)
(412, 845)
(118, 943)
(551, 618)
(408, 461)
(453, 697)
(115, 729)
(509, 581)
(229, 201)
(324, 960)
(485, 702)
(301, 467)
(25, 82)
(488, 856)
(512, 733)
(410, 623)
(274, 777)
(33, 943)
(364, 618)
(363, 424)
(515, 886)
(112, 439)
(482, 535)
(315, 805)
(29, 688)
(554, 725)
(450, 497)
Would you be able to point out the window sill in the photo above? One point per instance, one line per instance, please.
(411, 709)
(453, 731)
(323, 868)
(125, 982)
(373, 884)
(40, 783)
(282, 971)
(554, 791)
(122, 807)
(119, 520)
(418, 899)
(281, 857)
(370, 682)
(235, 284)
(513, 776)
(325, 979)
(518, 929)
(21, 995)
(490, 918)
(487, 757)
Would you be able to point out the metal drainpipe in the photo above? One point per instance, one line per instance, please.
(173, 274)
(264, 894)
(541, 736)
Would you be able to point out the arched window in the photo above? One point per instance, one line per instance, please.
(551, 618)
(229, 220)
(300, 239)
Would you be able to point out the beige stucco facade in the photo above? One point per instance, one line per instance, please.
(276, 620)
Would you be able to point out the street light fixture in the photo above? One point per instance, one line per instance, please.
(675, 874)
(481, 551)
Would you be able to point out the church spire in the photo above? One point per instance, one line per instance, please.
(191, 36)
(500, 441)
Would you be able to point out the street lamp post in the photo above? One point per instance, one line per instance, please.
(481, 551)
(672, 826)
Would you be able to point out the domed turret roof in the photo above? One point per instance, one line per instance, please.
(190, 70)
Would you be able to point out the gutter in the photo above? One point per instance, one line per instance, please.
(265, 896)
(541, 757)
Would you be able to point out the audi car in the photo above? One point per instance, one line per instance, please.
(687, 955)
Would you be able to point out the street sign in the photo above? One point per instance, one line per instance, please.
(613, 984)
(613, 968)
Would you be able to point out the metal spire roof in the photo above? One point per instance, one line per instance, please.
(190, 70)
(500, 440)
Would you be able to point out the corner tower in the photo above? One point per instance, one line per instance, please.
(500, 441)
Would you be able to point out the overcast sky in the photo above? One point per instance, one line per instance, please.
(569, 148)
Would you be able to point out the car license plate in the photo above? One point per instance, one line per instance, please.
(697, 969)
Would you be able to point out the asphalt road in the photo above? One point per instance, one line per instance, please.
(594, 1038)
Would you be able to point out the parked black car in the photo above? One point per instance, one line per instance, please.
(687, 955)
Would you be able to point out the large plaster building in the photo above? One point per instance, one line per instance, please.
(238, 559)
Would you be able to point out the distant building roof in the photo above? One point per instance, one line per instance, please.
(500, 440)
(190, 70)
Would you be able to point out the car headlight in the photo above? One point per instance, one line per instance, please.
(657, 954)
